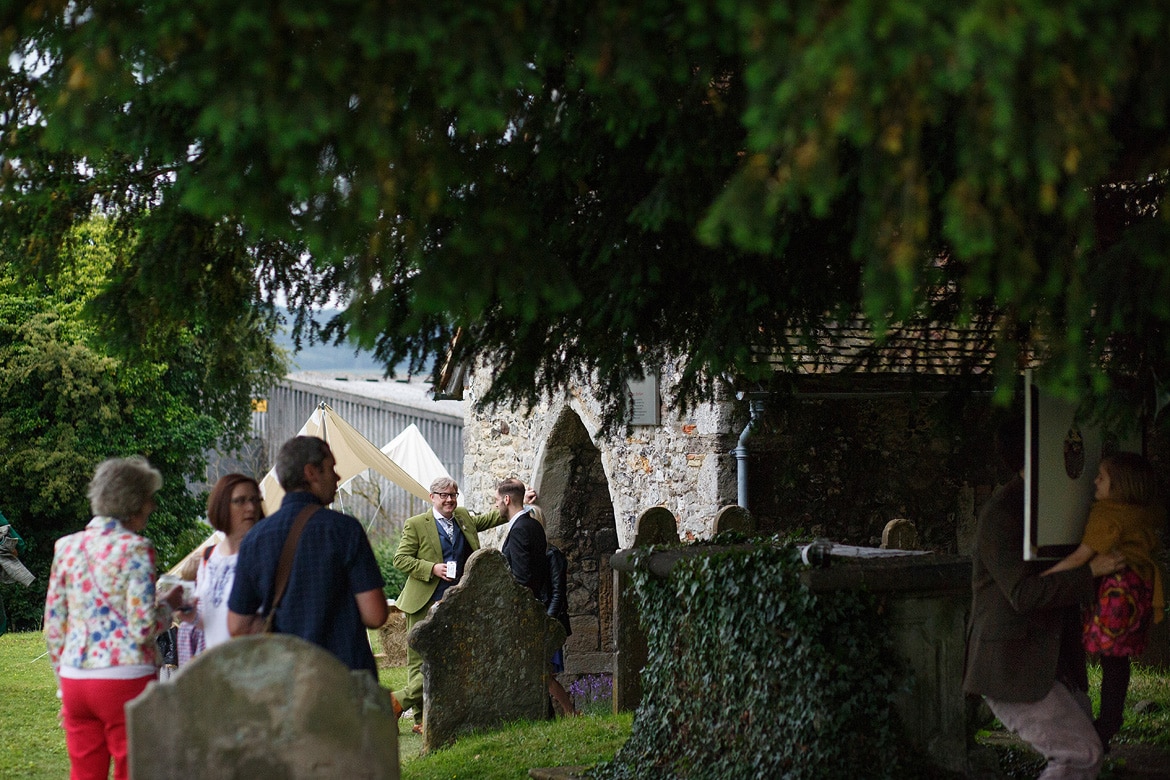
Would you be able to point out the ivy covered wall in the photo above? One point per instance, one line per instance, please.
(750, 674)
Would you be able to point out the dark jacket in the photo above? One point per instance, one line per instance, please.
(1016, 646)
(557, 599)
(525, 551)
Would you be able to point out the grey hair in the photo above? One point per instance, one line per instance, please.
(444, 485)
(121, 486)
(294, 455)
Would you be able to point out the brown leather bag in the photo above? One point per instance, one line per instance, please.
(284, 565)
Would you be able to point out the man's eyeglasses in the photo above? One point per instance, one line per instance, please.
(240, 501)
(446, 495)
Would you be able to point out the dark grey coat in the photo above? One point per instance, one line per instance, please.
(1014, 640)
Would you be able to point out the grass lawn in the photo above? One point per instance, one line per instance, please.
(32, 745)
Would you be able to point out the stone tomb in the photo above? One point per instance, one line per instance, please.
(270, 706)
(486, 648)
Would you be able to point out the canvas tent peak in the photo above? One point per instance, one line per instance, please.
(353, 452)
(410, 450)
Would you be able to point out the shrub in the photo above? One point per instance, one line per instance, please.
(384, 553)
(750, 674)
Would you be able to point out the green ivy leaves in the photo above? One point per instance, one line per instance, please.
(750, 674)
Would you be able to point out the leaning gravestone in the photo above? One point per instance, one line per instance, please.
(486, 648)
(272, 706)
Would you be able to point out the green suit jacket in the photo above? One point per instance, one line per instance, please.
(420, 549)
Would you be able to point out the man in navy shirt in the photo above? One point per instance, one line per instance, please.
(334, 590)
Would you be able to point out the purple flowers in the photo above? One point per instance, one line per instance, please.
(592, 694)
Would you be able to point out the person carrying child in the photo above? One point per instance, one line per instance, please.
(1127, 516)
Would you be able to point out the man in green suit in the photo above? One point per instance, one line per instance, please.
(433, 553)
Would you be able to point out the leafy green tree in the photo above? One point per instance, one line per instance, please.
(69, 404)
(569, 189)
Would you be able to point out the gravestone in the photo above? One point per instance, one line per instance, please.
(486, 648)
(900, 534)
(656, 526)
(735, 518)
(392, 637)
(269, 706)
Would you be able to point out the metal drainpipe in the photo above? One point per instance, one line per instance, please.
(755, 408)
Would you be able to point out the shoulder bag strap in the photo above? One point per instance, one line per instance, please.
(284, 566)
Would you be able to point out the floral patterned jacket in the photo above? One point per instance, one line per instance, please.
(100, 610)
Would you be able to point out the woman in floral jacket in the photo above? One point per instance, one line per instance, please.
(102, 616)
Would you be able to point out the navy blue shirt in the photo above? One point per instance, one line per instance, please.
(334, 563)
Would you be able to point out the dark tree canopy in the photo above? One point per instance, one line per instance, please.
(580, 188)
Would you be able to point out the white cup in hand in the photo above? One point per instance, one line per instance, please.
(452, 566)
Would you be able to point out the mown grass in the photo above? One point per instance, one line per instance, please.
(1147, 722)
(32, 744)
(1150, 727)
(511, 751)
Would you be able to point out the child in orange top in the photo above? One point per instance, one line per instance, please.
(1127, 516)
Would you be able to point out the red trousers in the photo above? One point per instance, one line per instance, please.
(95, 725)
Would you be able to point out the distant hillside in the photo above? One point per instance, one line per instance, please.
(324, 357)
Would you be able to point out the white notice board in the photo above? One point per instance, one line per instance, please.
(1061, 456)
(644, 401)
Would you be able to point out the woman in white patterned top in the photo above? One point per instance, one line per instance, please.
(233, 507)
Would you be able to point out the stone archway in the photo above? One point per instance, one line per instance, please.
(579, 518)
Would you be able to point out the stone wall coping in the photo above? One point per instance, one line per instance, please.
(934, 574)
(929, 573)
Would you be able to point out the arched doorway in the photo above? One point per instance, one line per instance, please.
(579, 517)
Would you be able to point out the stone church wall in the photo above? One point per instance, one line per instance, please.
(684, 464)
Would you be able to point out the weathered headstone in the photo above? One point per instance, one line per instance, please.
(900, 534)
(605, 544)
(272, 706)
(735, 518)
(486, 648)
(392, 637)
(657, 525)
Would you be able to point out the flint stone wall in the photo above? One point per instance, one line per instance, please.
(837, 467)
(684, 464)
